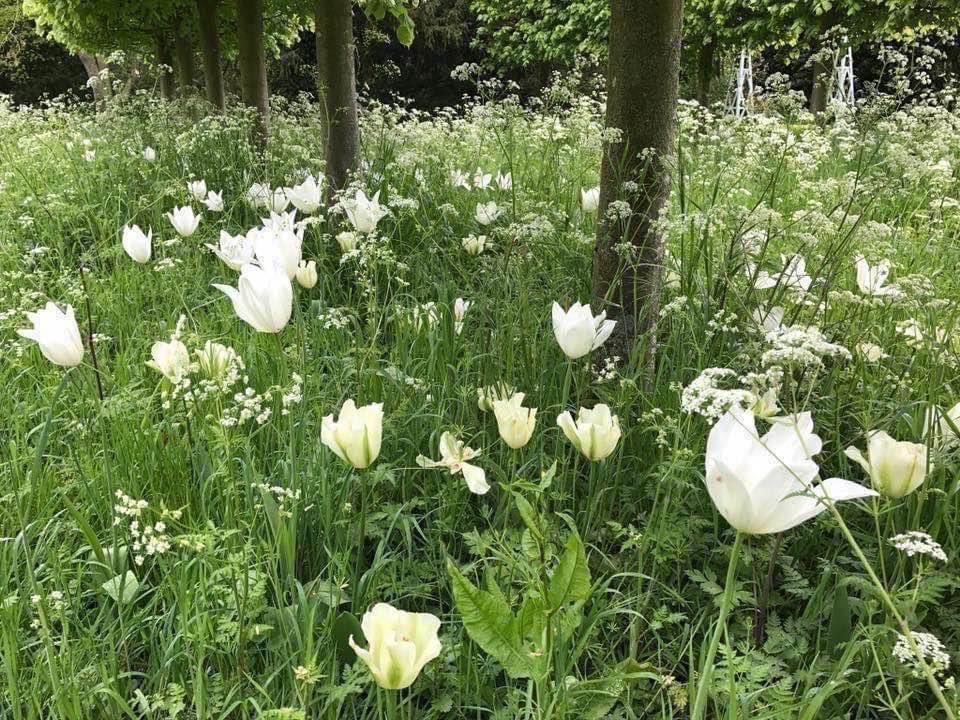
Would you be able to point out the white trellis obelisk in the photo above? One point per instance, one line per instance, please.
(743, 92)
(843, 86)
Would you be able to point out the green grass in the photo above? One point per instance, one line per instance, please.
(249, 591)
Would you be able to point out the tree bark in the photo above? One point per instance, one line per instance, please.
(165, 59)
(183, 45)
(210, 44)
(253, 63)
(102, 90)
(642, 86)
(819, 89)
(337, 81)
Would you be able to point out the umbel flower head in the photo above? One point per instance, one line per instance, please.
(578, 332)
(263, 298)
(57, 334)
(356, 435)
(765, 484)
(895, 468)
(399, 644)
(595, 432)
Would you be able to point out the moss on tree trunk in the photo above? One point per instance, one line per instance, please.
(337, 80)
(642, 86)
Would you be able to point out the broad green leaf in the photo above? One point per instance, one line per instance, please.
(344, 626)
(571, 579)
(122, 588)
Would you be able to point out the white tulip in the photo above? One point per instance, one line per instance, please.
(595, 433)
(348, 241)
(137, 245)
(149, 154)
(307, 274)
(259, 195)
(307, 197)
(590, 199)
(281, 248)
(945, 436)
(770, 320)
(57, 334)
(455, 456)
(481, 180)
(764, 484)
(215, 359)
(515, 423)
(871, 280)
(399, 644)
(234, 250)
(263, 298)
(794, 275)
(277, 201)
(578, 332)
(184, 221)
(458, 178)
(487, 212)
(197, 189)
(896, 468)
(214, 201)
(460, 307)
(170, 359)
(871, 352)
(364, 213)
(356, 435)
(474, 244)
(504, 182)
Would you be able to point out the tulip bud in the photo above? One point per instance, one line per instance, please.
(347, 241)
(515, 422)
(57, 334)
(595, 432)
(137, 245)
(895, 468)
(460, 307)
(590, 199)
(355, 436)
(149, 154)
(474, 244)
(307, 274)
(578, 332)
(214, 359)
(399, 644)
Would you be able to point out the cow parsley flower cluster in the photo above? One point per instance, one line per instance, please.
(799, 345)
(931, 651)
(916, 542)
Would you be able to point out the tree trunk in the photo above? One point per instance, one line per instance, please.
(165, 60)
(210, 44)
(337, 80)
(183, 45)
(642, 85)
(819, 89)
(705, 71)
(253, 63)
(101, 87)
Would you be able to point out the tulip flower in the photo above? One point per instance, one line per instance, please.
(765, 484)
(137, 245)
(895, 468)
(504, 182)
(456, 456)
(595, 433)
(283, 248)
(871, 280)
(259, 195)
(590, 199)
(170, 359)
(215, 359)
(460, 307)
(263, 298)
(458, 178)
(481, 180)
(355, 436)
(364, 213)
(57, 334)
(149, 154)
(871, 352)
(214, 201)
(944, 436)
(399, 644)
(514, 422)
(794, 275)
(487, 212)
(307, 197)
(348, 241)
(234, 251)
(184, 221)
(578, 332)
(474, 244)
(197, 189)
(307, 274)
(277, 201)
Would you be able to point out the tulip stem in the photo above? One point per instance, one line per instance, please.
(90, 340)
(706, 670)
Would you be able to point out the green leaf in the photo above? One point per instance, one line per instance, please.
(490, 624)
(405, 33)
(571, 579)
(529, 516)
(344, 626)
(122, 588)
(840, 625)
